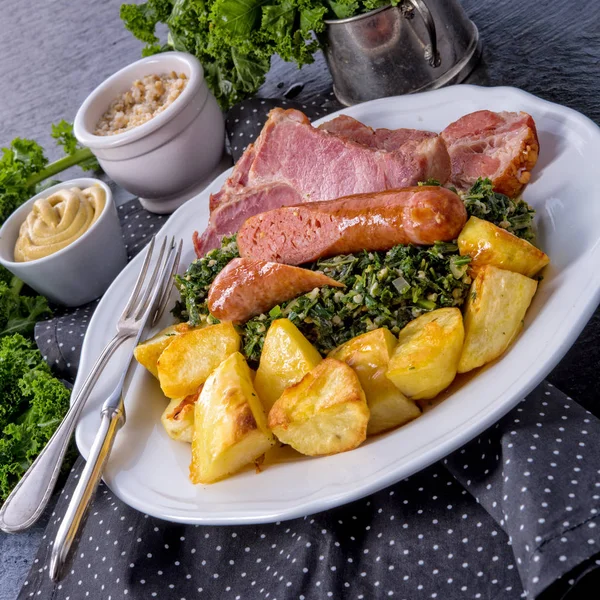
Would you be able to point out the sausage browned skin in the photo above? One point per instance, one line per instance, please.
(246, 287)
(378, 221)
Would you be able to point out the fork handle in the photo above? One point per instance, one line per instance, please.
(76, 514)
(27, 501)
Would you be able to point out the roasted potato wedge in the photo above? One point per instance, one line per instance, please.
(178, 418)
(189, 359)
(488, 244)
(148, 352)
(369, 354)
(230, 425)
(325, 413)
(496, 307)
(426, 358)
(287, 356)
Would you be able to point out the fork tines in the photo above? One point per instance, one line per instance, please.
(155, 289)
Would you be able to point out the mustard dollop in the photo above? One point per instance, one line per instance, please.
(57, 221)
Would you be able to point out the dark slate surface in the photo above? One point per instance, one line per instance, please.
(53, 54)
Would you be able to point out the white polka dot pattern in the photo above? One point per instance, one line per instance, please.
(537, 473)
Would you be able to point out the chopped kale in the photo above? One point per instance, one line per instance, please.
(193, 286)
(514, 215)
(383, 289)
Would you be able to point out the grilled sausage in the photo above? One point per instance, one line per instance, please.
(246, 287)
(378, 221)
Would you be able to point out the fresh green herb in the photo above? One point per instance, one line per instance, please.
(235, 39)
(24, 166)
(33, 404)
(383, 289)
(514, 215)
(19, 312)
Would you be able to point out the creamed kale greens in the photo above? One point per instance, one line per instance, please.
(481, 201)
(193, 286)
(382, 289)
(514, 215)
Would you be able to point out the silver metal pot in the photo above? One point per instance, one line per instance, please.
(419, 45)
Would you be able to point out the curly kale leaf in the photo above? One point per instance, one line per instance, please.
(235, 39)
(24, 168)
(33, 404)
(18, 312)
(141, 19)
(19, 162)
(18, 356)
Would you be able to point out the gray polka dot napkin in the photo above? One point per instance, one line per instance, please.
(498, 528)
(513, 514)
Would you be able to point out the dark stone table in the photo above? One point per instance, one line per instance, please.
(54, 54)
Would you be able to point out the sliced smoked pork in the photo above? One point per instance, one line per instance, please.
(383, 139)
(502, 146)
(292, 162)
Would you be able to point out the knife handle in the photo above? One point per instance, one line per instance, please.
(67, 536)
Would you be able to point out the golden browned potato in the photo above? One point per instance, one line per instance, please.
(488, 244)
(496, 307)
(369, 354)
(147, 353)
(190, 358)
(325, 413)
(426, 358)
(287, 356)
(178, 418)
(230, 425)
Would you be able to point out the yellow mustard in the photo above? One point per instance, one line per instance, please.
(57, 221)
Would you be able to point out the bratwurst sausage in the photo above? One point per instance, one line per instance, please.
(246, 287)
(376, 221)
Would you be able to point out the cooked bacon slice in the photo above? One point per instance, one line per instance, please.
(247, 287)
(502, 146)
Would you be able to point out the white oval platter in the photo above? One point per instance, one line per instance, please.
(149, 471)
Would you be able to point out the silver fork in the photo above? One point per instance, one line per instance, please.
(27, 501)
(112, 418)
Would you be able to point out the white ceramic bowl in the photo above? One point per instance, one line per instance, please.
(83, 270)
(166, 158)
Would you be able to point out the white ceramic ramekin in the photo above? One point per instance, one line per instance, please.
(83, 270)
(169, 155)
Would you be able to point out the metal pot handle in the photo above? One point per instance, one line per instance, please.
(432, 56)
